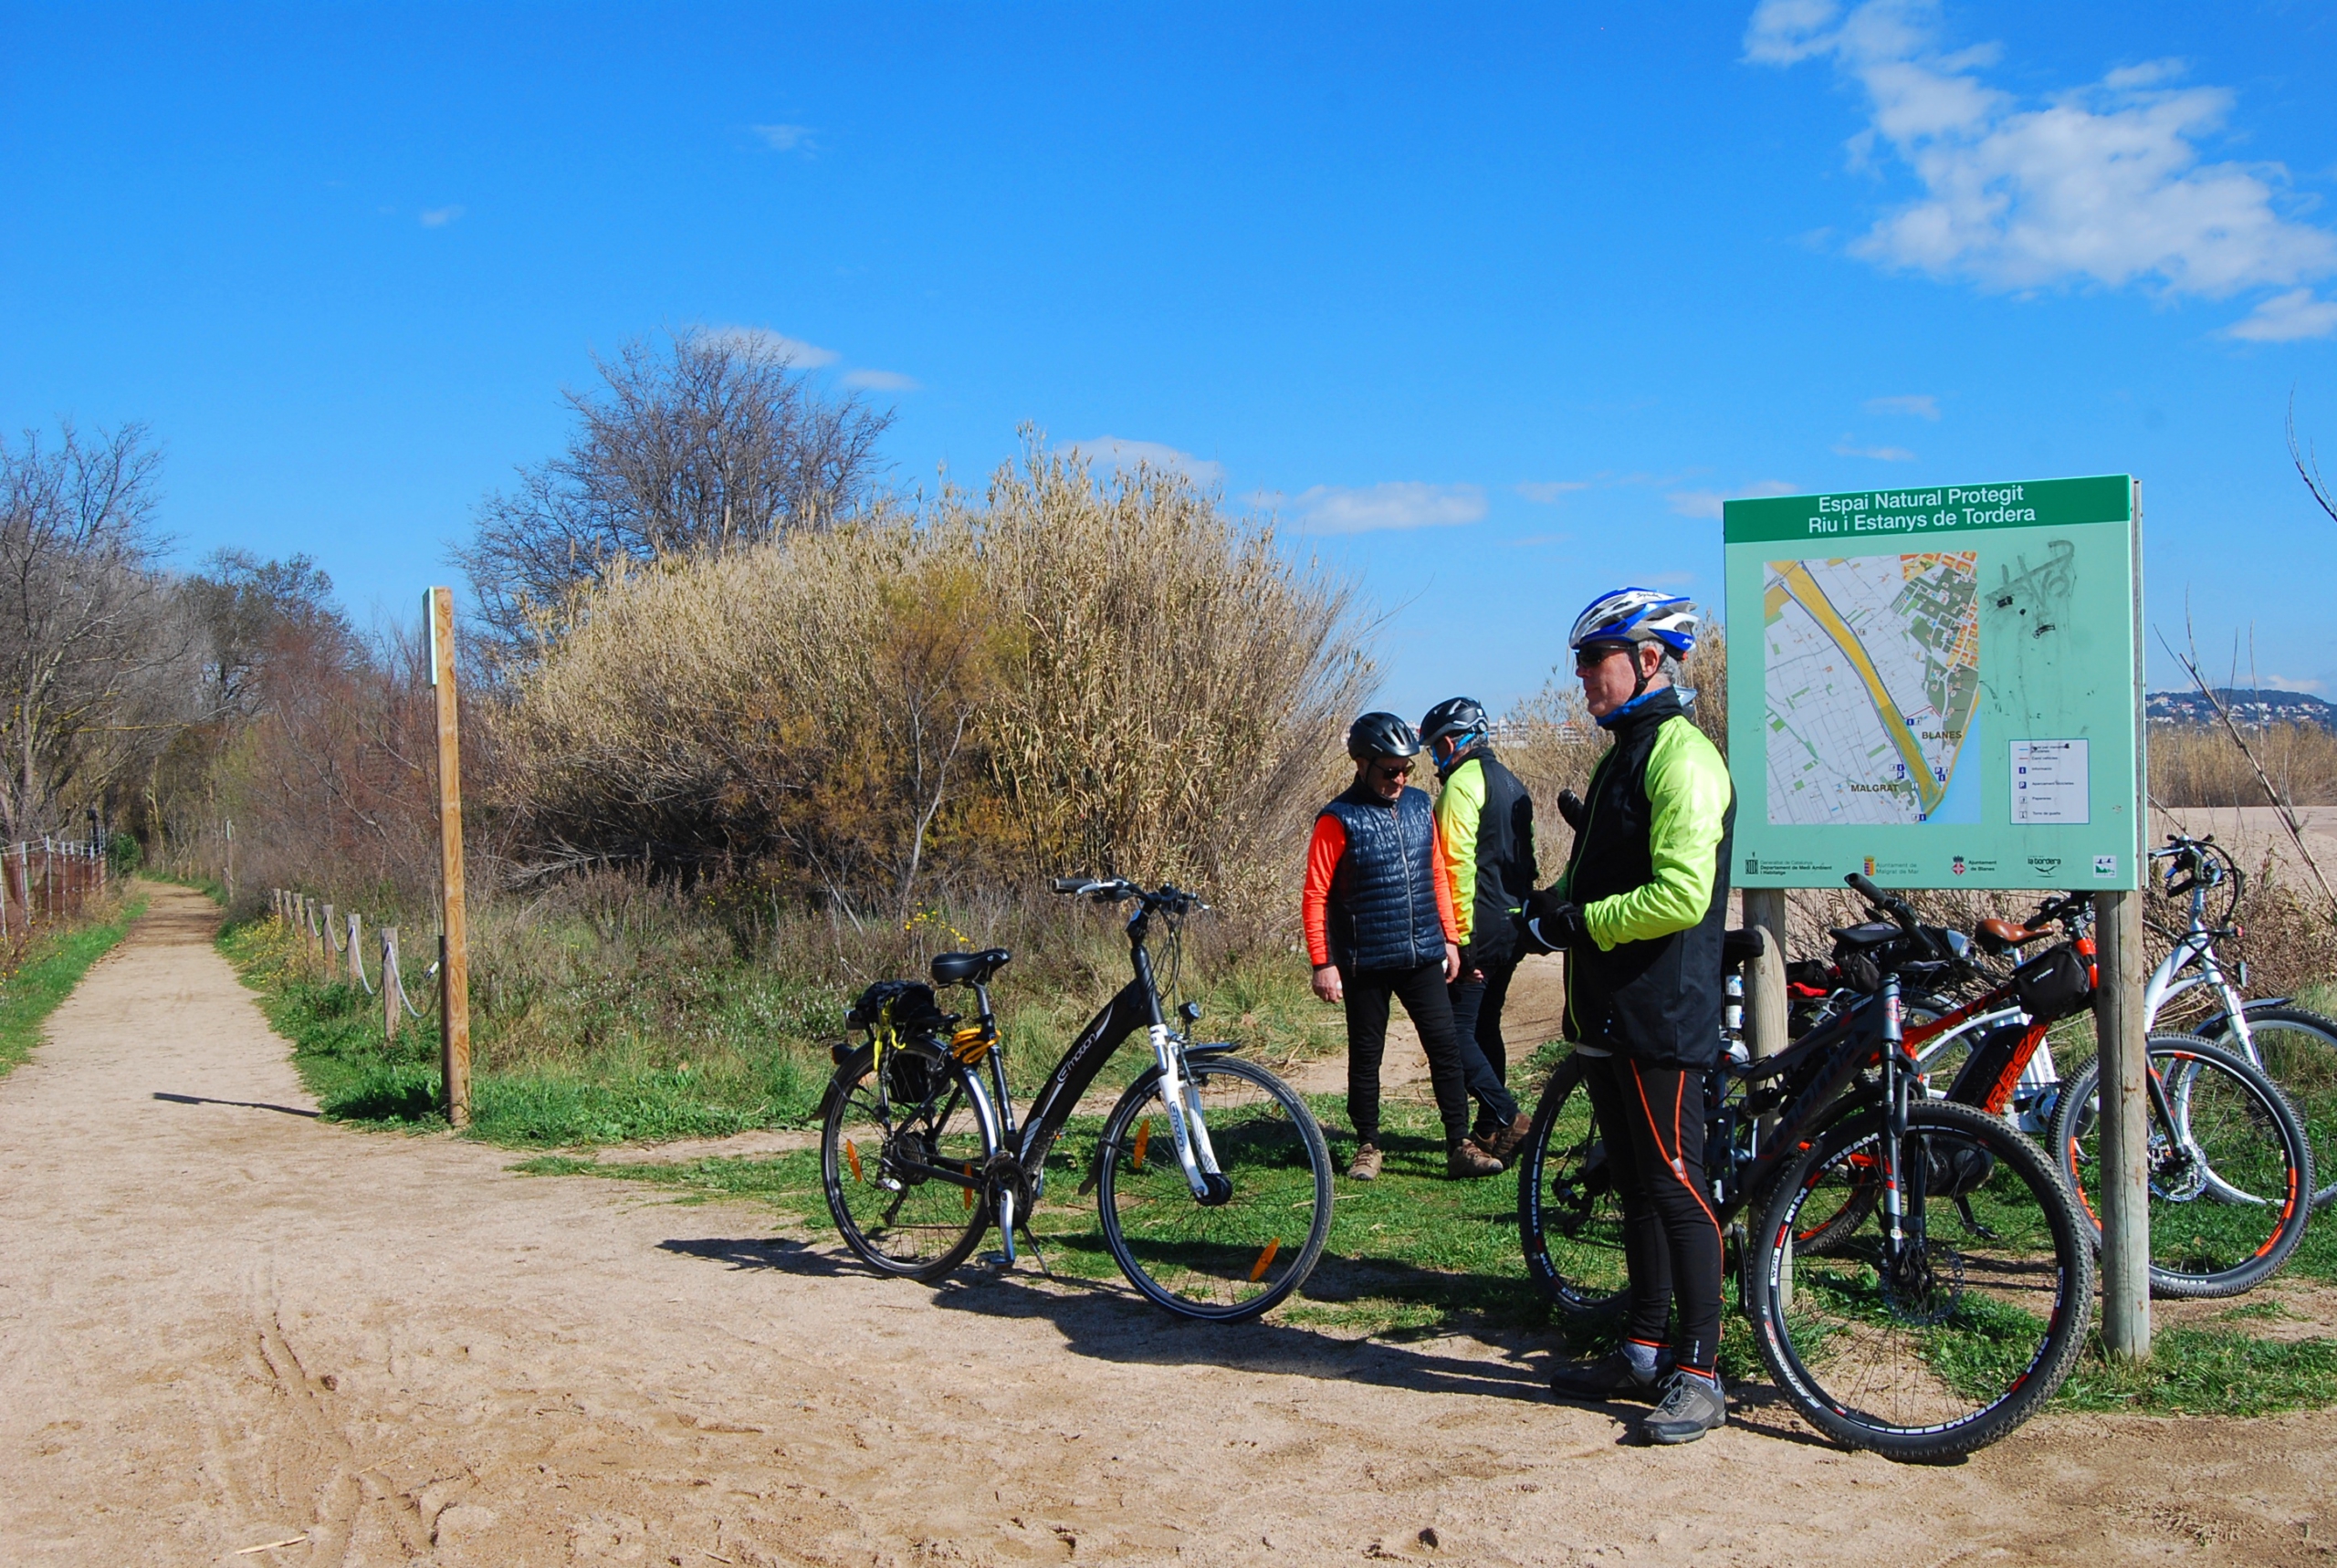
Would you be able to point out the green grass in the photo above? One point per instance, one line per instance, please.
(616, 1094)
(46, 974)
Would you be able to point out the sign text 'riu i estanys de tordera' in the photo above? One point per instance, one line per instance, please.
(1936, 685)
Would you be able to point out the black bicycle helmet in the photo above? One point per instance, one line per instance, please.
(1452, 726)
(1381, 734)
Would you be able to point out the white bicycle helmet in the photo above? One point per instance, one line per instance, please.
(1638, 615)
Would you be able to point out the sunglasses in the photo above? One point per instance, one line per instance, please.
(1392, 770)
(1597, 653)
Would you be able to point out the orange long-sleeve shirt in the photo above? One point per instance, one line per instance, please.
(1322, 853)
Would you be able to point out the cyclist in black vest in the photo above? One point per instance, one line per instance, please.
(1486, 817)
(1378, 911)
(1640, 913)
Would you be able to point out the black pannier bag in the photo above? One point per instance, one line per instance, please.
(910, 1008)
(2053, 985)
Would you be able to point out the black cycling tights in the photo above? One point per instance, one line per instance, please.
(1652, 1119)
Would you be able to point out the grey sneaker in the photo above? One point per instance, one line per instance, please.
(1692, 1406)
(1365, 1166)
(1611, 1376)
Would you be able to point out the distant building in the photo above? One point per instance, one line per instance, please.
(2252, 707)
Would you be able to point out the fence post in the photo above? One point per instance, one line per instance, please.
(356, 950)
(1765, 1010)
(2120, 1029)
(390, 983)
(454, 942)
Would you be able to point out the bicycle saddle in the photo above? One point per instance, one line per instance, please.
(1873, 933)
(975, 968)
(2002, 935)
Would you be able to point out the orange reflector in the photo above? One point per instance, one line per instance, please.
(1265, 1261)
(1143, 1142)
(969, 1191)
(852, 1158)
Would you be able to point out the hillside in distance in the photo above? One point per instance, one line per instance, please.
(2248, 706)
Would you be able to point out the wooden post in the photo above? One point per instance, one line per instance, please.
(1765, 1010)
(231, 862)
(356, 950)
(390, 1008)
(454, 942)
(2119, 1026)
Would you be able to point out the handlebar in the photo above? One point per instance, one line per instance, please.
(1902, 914)
(1167, 898)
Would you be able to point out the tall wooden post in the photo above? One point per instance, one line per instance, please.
(2119, 1026)
(453, 943)
(356, 949)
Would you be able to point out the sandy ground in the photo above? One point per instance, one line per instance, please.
(224, 1325)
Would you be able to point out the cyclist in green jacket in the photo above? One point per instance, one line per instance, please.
(1640, 913)
(1486, 818)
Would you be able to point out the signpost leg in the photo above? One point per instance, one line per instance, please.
(2124, 1197)
(1764, 1006)
(454, 957)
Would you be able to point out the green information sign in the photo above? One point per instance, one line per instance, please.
(1936, 685)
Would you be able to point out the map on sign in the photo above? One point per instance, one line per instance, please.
(1871, 671)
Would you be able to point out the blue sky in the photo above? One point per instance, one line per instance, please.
(1489, 306)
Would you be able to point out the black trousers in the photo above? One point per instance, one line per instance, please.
(1653, 1122)
(1456, 1068)
(1476, 1011)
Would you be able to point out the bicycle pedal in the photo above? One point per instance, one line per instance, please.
(997, 1262)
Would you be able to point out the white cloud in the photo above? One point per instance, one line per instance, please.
(1547, 492)
(1843, 448)
(880, 381)
(439, 217)
(785, 138)
(1922, 405)
(1706, 503)
(2291, 684)
(2285, 317)
(1399, 504)
(2102, 183)
(1117, 452)
(778, 345)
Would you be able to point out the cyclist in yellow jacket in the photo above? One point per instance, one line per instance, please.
(1485, 816)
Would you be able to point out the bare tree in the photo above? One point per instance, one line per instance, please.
(93, 648)
(714, 442)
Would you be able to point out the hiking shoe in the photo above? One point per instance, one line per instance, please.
(1469, 1161)
(1692, 1406)
(1504, 1144)
(1611, 1376)
(1365, 1166)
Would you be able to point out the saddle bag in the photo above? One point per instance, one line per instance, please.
(2053, 985)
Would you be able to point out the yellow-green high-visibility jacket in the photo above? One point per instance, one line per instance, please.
(1487, 817)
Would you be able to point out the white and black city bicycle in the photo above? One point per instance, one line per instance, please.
(1211, 1178)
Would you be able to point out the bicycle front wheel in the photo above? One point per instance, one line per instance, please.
(903, 1156)
(1228, 1260)
(2230, 1171)
(1941, 1341)
(1569, 1219)
(2296, 1048)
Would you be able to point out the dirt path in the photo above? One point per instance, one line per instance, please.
(223, 1323)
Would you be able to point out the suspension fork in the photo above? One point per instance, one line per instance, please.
(1179, 1095)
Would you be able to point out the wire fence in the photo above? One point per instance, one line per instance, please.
(335, 938)
(46, 880)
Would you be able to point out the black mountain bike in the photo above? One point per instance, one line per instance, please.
(1212, 1180)
(1942, 1317)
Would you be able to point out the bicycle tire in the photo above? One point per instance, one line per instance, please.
(1568, 1220)
(2203, 1251)
(1226, 1261)
(1933, 1367)
(2301, 1056)
(864, 1143)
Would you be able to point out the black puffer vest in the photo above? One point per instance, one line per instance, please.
(1382, 913)
(1658, 1000)
(1505, 870)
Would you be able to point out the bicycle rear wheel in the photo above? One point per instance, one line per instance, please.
(2296, 1048)
(1941, 1345)
(2230, 1175)
(904, 1168)
(1568, 1218)
(1224, 1260)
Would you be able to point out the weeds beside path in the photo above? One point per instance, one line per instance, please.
(47, 969)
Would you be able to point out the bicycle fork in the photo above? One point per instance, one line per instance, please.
(1186, 1123)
